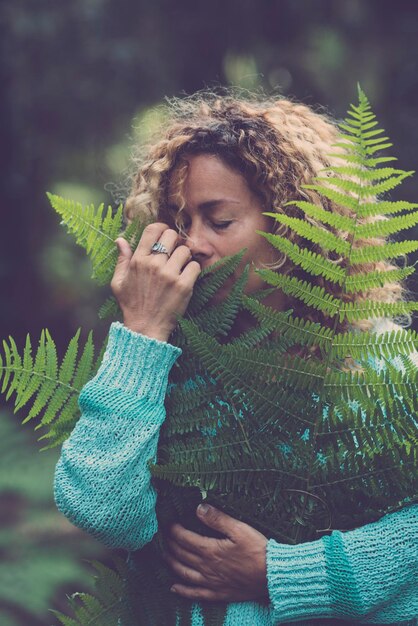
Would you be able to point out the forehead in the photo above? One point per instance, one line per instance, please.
(204, 177)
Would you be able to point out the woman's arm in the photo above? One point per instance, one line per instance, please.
(102, 481)
(369, 574)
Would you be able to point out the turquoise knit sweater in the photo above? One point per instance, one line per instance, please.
(102, 484)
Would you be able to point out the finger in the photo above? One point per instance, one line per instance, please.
(187, 574)
(151, 234)
(187, 557)
(216, 519)
(191, 541)
(198, 593)
(179, 258)
(191, 272)
(168, 239)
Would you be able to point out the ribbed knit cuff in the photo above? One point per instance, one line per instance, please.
(297, 581)
(137, 364)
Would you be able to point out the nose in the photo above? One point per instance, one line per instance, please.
(198, 243)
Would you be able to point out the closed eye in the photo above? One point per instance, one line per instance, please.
(221, 225)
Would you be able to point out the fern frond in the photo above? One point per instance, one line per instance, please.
(355, 311)
(109, 607)
(109, 308)
(369, 209)
(364, 281)
(333, 219)
(312, 295)
(211, 280)
(362, 173)
(324, 238)
(96, 230)
(362, 346)
(309, 261)
(300, 331)
(372, 254)
(361, 160)
(342, 199)
(51, 390)
(218, 319)
(361, 190)
(383, 228)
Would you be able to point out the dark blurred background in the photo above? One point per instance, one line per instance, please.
(79, 81)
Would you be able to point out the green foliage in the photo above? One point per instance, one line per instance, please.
(319, 422)
(106, 608)
(50, 388)
(296, 427)
(96, 231)
(39, 554)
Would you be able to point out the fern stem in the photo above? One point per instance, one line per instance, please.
(39, 375)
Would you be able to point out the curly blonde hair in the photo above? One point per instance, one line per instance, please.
(278, 146)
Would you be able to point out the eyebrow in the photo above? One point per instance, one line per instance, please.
(212, 204)
(209, 205)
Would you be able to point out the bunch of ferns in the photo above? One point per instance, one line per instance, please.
(296, 427)
(320, 423)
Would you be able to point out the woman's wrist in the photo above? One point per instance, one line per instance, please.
(136, 364)
(147, 331)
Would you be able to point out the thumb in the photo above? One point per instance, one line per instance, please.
(216, 519)
(124, 254)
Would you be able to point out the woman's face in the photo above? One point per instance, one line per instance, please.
(221, 216)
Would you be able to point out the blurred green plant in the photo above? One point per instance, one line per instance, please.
(40, 553)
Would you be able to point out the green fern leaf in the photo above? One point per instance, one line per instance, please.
(110, 605)
(51, 390)
(211, 279)
(384, 208)
(311, 295)
(361, 346)
(325, 239)
(96, 232)
(333, 219)
(93, 232)
(361, 160)
(362, 173)
(110, 308)
(342, 199)
(309, 261)
(370, 280)
(372, 254)
(353, 312)
(388, 227)
(365, 191)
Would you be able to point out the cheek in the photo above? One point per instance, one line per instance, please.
(254, 282)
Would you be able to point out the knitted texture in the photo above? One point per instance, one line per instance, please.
(369, 574)
(103, 485)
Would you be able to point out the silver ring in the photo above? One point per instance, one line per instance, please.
(159, 248)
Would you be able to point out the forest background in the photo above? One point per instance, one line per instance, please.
(80, 83)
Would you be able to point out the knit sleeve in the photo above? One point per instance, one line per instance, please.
(369, 574)
(102, 480)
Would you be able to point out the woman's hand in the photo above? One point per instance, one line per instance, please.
(228, 570)
(152, 289)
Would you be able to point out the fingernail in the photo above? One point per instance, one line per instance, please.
(173, 590)
(203, 508)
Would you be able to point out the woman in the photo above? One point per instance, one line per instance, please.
(218, 164)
